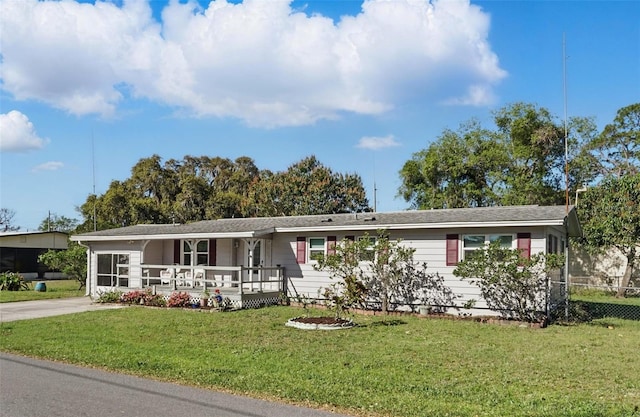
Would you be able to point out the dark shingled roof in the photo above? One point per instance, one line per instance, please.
(411, 219)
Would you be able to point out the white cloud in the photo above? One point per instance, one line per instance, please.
(375, 143)
(17, 133)
(48, 166)
(259, 61)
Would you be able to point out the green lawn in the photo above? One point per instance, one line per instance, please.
(599, 296)
(407, 367)
(55, 289)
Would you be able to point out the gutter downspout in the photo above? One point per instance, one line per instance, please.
(88, 281)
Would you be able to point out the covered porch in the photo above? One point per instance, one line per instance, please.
(238, 266)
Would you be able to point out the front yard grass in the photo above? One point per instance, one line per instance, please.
(398, 366)
(55, 289)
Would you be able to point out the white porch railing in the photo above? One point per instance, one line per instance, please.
(175, 277)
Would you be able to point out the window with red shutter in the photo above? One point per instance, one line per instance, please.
(301, 249)
(524, 244)
(452, 250)
(331, 245)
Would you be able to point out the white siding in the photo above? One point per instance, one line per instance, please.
(430, 246)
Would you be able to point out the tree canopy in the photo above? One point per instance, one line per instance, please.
(520, 161)
(56, 223)
(6, 220)
(610, 217)
(199, 188)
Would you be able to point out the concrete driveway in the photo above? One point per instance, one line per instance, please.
(24, 310)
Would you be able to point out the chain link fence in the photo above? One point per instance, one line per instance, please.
(597, 297)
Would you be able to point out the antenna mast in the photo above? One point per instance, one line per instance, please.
(566, 144)
(93, 174)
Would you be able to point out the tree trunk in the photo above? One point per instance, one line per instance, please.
(626, 278)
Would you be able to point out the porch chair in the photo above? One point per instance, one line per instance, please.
(165, 276)
(199, 278)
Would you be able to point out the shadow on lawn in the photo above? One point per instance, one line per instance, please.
(597, 310)
(390, 322)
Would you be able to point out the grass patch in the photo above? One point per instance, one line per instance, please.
(422, 367)
(55, 289)
(603, 296)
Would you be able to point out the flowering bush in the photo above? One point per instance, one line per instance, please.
(133, 297)
(179, 299)
(142, 297)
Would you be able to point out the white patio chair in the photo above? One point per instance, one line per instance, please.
(165, 276)
(199, 277)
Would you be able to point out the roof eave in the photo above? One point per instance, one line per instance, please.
(395, 226)
(165, 236)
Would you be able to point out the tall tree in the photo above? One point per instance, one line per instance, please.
(618, 147)
(6, 220)
(610, 218)
(522, 161)
(307, 187)
(54, 222)
(459, 170)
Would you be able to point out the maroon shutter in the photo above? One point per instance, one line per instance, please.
(331, 245)
(213, 250)
(301, 249)
(176, 252)
(452, 250)
(524, 244)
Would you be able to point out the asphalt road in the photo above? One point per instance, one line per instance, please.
(34, 388)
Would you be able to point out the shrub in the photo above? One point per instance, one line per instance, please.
(10, 281)
(510, 284)
(109, 297)
(179, 299)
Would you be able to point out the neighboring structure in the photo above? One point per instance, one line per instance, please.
(602, 271)
(19, 252)
(254, 259)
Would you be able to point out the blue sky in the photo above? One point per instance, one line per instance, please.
(96, 86)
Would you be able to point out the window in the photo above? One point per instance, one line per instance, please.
(369, 254)
(472, 243)
(316, 248)
(553, 244)
(113, 269)
(201, 254)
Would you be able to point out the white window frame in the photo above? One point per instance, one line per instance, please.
(194, 254)
(370, 249)
(311, 251)
(116, 274)
(488, 238)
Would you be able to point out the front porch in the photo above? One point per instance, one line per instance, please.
(244, 287)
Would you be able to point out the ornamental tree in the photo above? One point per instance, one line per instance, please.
(381, 270)
(71, 262)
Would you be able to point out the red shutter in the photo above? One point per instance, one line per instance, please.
(331, 245)
(452, 250)
(176, 252)
(524, 244)
(301, 250)
(213, 250)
